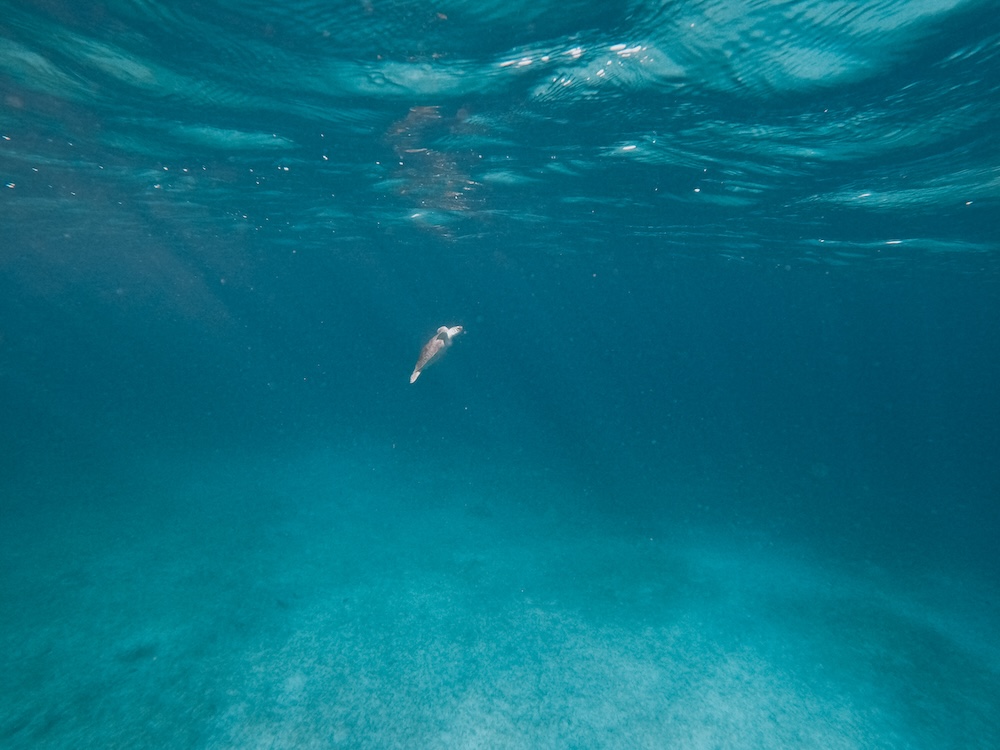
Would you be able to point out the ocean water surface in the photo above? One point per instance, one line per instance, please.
(714, 463)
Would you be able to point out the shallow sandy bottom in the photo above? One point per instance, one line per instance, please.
(325, 602)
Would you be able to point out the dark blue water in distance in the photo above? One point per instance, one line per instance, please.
(713, 465)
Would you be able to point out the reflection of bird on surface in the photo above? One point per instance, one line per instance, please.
(434, 348)
(433, 174)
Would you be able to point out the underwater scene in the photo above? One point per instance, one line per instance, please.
(477, 374)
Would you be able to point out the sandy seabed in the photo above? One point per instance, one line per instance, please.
(325, 603)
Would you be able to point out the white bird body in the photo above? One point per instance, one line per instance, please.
(434, 348)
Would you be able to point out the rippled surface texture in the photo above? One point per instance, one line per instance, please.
(713, 465)
(621, 122)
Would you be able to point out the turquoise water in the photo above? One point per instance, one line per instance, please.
(714, 464)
